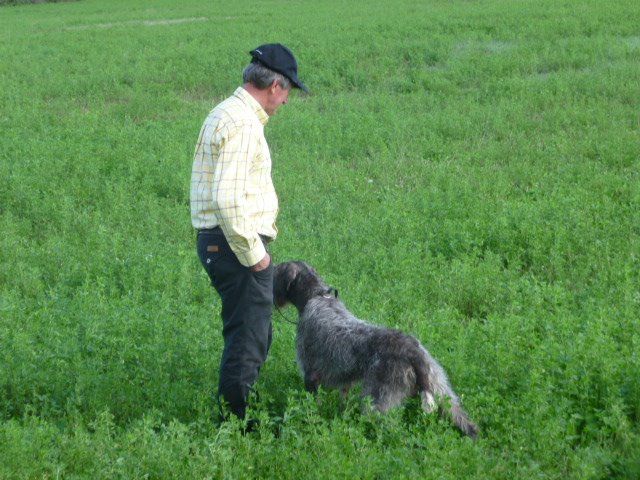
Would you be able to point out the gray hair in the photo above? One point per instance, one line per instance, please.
(261, 76)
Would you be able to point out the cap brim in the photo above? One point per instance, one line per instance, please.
(298, 84)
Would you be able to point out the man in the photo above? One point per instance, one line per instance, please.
(234, 208)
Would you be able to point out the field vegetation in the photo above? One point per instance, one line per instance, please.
(467, 171)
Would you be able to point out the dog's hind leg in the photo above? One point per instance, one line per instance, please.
(388, 384)
(387, 400)
(429, 403)
(435, 390)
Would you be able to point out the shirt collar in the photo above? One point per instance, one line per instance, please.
(253, 104)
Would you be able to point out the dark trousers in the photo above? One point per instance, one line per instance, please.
(247, 301)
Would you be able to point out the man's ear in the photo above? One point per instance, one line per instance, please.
(272, 87)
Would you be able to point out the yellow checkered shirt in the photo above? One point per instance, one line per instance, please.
(231, 184)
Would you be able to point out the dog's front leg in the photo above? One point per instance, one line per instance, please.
(344, 390)
(344, 393)
(311, 382)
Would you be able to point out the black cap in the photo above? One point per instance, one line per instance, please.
(280, 59)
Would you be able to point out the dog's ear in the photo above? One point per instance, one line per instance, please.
(284, 277)
(291, 276)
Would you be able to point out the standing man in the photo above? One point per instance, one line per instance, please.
(234, 208)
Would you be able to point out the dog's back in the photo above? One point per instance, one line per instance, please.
(333, 342)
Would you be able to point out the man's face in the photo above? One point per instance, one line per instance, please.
(277, 96)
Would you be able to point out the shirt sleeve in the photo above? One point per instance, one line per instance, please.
(236, 151)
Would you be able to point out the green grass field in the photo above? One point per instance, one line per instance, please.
(467, 171)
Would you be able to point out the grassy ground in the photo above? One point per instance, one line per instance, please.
(465, 171)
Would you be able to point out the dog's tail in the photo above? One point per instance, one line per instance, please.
(435, 391)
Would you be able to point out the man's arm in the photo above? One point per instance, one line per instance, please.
(236, 151)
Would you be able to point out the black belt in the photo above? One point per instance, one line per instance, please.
(218, 231)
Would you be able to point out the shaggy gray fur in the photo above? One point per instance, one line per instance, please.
(335, 349)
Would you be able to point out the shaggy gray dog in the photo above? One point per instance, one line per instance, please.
(335, 350)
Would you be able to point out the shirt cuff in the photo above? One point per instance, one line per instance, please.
(251, 257)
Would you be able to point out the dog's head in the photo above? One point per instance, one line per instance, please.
(296, 282)
(285, 279)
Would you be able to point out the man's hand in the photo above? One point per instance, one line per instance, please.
(262, 264)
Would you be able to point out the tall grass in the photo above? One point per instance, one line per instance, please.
(465, 171)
